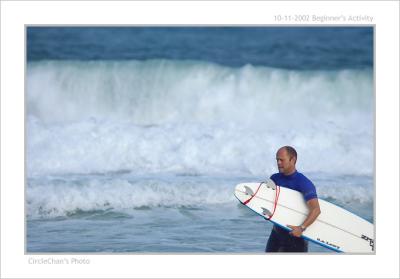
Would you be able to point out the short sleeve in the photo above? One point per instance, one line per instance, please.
(308, 190)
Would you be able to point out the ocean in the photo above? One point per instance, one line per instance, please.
(137, 136)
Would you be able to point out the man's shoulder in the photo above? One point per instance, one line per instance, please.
(275, 175)
(276, 178)
(304, 179)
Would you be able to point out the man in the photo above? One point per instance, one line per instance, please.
(280, 239)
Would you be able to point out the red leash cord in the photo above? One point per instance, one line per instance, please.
(277, 192)
(247, 201)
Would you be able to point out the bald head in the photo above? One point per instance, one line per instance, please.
(286, 158)
(291, 152)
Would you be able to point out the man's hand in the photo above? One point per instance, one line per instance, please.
(314, 211)
(297, 231)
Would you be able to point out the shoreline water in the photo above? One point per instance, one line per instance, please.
(172, 222)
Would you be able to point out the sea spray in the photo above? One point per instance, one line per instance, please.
(195, 117)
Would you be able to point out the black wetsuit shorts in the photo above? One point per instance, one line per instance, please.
(281, 241)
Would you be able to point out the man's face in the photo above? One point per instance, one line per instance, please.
(286, 165)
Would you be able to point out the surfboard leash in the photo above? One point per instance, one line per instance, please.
(277, 192)
(252, 196)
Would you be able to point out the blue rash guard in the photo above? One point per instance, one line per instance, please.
(298, 182)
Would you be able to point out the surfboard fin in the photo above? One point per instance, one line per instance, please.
(266, 211)
(248, 191)
(270, 184)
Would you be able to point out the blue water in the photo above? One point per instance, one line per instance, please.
(303, 48)
(137, 136)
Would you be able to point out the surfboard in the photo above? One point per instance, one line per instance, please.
(335, 228)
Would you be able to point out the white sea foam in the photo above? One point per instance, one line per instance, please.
(195, 117)
(65, 196)
(68, 195)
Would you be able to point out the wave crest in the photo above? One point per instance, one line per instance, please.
(187, 116)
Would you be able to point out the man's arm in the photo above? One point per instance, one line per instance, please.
(314, 211)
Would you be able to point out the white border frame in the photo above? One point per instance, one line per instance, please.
(14, 264)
